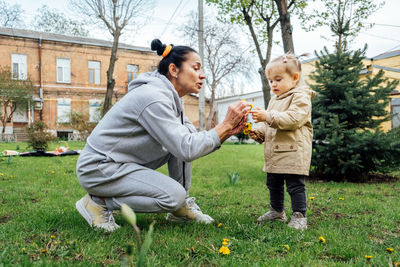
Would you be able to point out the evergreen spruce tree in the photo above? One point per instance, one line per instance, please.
(347, 114)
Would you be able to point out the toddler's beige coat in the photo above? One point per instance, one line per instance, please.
(289, 132)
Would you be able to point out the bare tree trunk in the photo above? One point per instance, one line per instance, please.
(212, 108)
(110, 71)
(286, 27)
(264, 81)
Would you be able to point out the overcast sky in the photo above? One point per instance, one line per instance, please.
(169, 14)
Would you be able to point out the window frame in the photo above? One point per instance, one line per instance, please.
(65, 68)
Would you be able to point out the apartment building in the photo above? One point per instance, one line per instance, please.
(69, 73)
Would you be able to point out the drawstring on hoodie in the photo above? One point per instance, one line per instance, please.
(184, 178)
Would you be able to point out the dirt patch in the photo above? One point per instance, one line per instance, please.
(5, 218)
(365, 178)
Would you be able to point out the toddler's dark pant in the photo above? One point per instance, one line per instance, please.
(295, 186)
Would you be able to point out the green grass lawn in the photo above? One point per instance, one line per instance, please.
(40, 226)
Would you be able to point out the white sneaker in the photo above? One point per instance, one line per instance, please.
(272, 215)
(298, 221)
(189, 212)
(95, 214)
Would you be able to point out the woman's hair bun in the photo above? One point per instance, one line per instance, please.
(157, 45)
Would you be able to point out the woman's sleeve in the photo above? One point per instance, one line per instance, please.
(161, 123)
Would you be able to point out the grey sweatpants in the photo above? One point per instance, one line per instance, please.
(139, 186)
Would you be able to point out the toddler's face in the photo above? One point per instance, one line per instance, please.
(280, 81)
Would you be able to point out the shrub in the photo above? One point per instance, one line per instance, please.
(80, 122)
(38, 137)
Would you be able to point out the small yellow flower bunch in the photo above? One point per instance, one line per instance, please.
(247, 129)
(311, 198)
(224, 248)
(390, 250)
(52, 237)
(287, 247)
(321, 239)
(341, 198)
(251, 105)
(368, 257)
(219, 225)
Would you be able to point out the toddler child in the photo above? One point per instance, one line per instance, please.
(287, 132)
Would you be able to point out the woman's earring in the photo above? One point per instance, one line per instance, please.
(176, 76)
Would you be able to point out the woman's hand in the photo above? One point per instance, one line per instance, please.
(239, 128)
(235, 120)
(236, 114)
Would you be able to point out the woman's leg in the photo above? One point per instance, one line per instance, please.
(141, 188)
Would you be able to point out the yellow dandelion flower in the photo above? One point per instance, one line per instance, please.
(68, 243)
(321, 239)
(390, 250)
(397, 264)
(11, 176)
(341, 198)
(368, 257)
(286, 246)
(251, 105)
(52, 172)
(224, 250)
(219, 225)
(1, 174)
(44, 250)
(23, 249)
(311, 198)
(225, 240)
(52, 237)
(225, 243)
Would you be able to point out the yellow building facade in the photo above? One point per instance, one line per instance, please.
(388, 62)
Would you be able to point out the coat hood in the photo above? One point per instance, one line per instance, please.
(157, 80)
(303, 88)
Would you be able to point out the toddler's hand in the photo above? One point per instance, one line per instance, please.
(259, 115)
(257, 136)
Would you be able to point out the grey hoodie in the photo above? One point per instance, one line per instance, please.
(148, 123)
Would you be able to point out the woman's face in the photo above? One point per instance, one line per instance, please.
(190, 75)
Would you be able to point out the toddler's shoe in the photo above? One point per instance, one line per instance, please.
(272, 215)
(189, 212)
(96, 215)
(298, 221)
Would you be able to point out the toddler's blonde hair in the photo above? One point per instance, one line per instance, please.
(288, 63)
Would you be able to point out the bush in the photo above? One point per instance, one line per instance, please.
(38, 137)
(80, 122)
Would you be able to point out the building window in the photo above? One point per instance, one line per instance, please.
(63, 110)
(20, 114)
(63, 70)
(94, 110)
(19, 67)
(395, 112)
(94, 72)
(132, 72)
